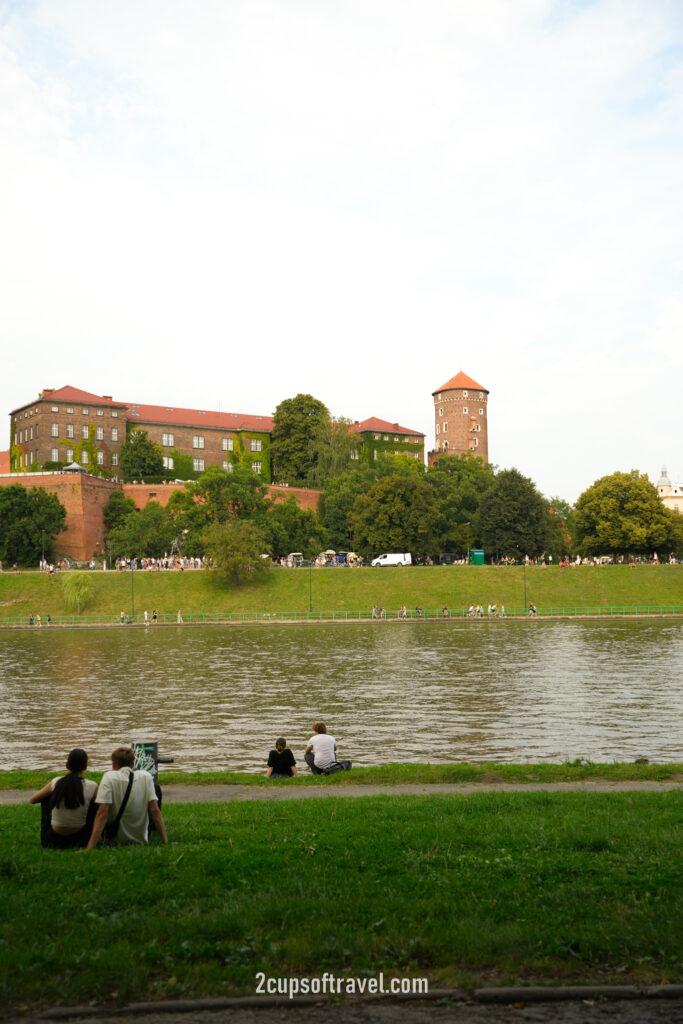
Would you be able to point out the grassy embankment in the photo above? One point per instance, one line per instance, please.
(490, 889)
(399, 774)
(353, 590)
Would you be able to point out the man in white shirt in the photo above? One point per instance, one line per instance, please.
(141, 804)
(321, 749)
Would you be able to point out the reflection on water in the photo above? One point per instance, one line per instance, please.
(218, 697)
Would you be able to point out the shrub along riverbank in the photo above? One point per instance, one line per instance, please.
(350, 590)
(492, 888)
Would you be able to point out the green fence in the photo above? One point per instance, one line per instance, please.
(365, 615)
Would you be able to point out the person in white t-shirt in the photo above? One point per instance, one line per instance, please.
(142, 802)
(321, 749)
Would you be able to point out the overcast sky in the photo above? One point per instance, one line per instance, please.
(221, 204)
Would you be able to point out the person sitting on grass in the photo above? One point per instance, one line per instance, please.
(67, 808)
(281, 763)
(127, 800)
(321, 752)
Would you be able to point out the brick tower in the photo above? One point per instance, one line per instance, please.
(460, 418)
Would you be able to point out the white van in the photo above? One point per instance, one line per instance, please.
(393, 559)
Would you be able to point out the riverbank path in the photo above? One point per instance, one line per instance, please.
(294, 791)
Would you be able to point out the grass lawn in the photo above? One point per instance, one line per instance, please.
(287, 590)
(494, 888)
(398, 774)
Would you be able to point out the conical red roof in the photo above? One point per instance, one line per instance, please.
(461, 380)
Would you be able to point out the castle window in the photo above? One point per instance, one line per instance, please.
(438, 428)
(198, 441)
(168, 462)
(100, 458)
(55, 408)
(54, 430)
(374, 453)
(115, 459)
(54, 455)
(481, 412)
(85, 411)
(84, 458)
(114, 413)
(255, 446)
(114, 434)
(354, 454)
(227, 445)
(386, 437)
(227, 466)
(69, 455)
(100, 412)
(256, 467)
(100, 434)
(69, 430)
(84, 431)
(464, 394)
(69, 408)
(168, 441)
(198, 465)
(440, 412)
(464, 410)
(445, 427)
(438, 397)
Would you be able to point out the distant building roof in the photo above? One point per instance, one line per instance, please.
(383, 427)
(461, 380)
(75, 395)
(161, 414)
(174, 416)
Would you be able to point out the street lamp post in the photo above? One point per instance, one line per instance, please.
(468, 543)
(524, 563)
(132, 588)
(310, 585)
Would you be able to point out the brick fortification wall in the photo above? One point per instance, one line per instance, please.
(84, 497)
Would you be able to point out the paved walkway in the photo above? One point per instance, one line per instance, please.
(293, 791)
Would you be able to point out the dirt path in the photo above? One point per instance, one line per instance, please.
(292, 791)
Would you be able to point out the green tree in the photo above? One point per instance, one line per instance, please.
(234, 550)
(398, 513)
(513, 518)
(287, 527)
(621, 514)
(148, 533)
(298, 425)
(29, 522)
(117, 509)
(332, 447)
(237, 495)
(563, 527)
(459, 482)
(78, 590)
(140, 457)
(337, 502)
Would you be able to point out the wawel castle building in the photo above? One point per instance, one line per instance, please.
(68, 425)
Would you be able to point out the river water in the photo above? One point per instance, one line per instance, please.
(217, 697)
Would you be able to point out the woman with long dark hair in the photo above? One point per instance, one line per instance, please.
(68, 806)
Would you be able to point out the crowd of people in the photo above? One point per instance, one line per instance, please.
(77, 813)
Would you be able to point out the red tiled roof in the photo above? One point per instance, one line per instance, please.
(197, 418)
(75, 395)
(383, 426)
(461, 380)
(4, 462)
(160, 413)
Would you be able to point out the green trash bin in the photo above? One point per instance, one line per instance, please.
(476, 557)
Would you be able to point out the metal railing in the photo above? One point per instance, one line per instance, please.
(365, 615)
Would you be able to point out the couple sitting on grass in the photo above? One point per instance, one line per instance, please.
(320, 756)
(76, 811)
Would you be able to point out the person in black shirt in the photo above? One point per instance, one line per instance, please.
(281, 763)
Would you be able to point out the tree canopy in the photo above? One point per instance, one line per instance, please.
(300, 425)
(398, 513)
(140, 457)
(234, 549)
(513, 518)
(622, 514)
(459, 483)
(29, 522)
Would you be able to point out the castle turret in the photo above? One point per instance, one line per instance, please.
(460, 423)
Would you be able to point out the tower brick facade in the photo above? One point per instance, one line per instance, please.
(460, 423)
